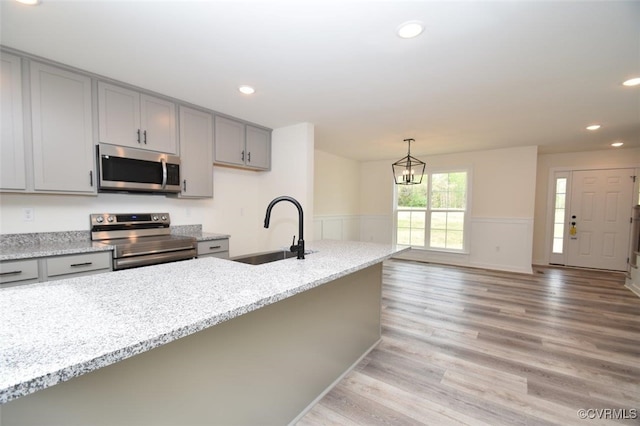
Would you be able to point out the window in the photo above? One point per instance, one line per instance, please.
(559, 214)
(432, 214)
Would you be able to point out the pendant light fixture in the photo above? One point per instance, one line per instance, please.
(408, 170)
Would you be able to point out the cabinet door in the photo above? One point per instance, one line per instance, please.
(229, 141)
(12, 165)
(258, 148)
(158, 125)
(119, 115)
(196, 153)
(62, 130)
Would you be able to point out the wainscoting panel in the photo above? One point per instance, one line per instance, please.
(337, 228)
(501, 243)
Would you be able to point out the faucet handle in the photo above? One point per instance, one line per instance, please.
(293, 247)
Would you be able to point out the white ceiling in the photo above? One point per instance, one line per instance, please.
(483, 75)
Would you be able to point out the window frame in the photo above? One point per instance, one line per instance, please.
(428, 212)
(557, 258)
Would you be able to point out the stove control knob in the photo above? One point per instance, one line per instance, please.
(154, 217)
(99, 219)
(163, 217)
(110, 219)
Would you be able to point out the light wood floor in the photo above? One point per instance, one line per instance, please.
(470, 346)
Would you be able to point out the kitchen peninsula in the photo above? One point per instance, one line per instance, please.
(203, 341)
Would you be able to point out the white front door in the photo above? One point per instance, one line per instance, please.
(600, 207)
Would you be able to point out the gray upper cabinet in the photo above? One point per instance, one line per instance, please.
(12, 160)
(63, 156)
(134, 119)
(241, 145)
(196, 153)
(258, 147)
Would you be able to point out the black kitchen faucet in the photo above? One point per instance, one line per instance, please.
(296, 248)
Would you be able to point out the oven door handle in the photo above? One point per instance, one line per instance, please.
(164, 173)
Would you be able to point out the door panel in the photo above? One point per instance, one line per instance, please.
(600, 206)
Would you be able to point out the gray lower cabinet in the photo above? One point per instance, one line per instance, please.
(59, 267)
(214, 248)
(27, 271)
(19, 271)
(196, 153)
(241, 145)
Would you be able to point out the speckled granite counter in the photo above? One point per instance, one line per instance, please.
(44, 244)
(26, 246)
(54, 331)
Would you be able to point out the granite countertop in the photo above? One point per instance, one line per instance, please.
(54, 331)
(33, 245)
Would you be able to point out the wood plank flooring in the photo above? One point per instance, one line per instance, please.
(478, 347)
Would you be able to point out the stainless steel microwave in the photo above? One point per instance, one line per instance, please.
(123, 169)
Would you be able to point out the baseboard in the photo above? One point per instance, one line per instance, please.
(635, 289)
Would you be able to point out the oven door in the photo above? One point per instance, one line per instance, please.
(152, 259)
(143, 251)
(132, 170)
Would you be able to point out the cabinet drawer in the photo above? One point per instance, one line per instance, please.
(76, 263)
(215, 246)
(18, 270)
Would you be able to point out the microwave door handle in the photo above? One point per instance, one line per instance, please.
(164, 174)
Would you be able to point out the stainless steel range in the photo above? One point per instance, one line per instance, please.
(141, 239)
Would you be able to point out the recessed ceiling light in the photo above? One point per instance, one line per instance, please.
(410, 29)
(617, 144)
(247, 90)
(29, 2)
(593, 127)
(632, 82)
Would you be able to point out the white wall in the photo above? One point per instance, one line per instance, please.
(548, 163)
(238, 207)
(336, 197)
(502, 207)
(241, 198)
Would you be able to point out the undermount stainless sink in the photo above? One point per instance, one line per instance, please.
(266, 257)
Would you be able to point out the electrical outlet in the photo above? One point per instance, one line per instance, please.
(28, 214)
